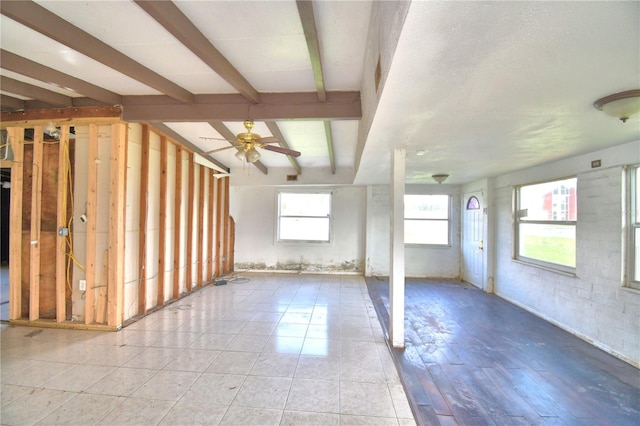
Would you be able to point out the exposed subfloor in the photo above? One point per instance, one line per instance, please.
(472, 358)
(262, 350)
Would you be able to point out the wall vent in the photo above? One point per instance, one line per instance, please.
(292, 178)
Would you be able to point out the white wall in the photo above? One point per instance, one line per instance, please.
(420, 261)
(254, 209)
(592, 304)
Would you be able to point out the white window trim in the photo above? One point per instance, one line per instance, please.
(632, 218)
(550, 266)
(282, 242)
(448, 220)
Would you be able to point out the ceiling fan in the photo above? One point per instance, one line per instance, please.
(247, 142)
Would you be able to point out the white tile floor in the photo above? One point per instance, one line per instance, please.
(265, 350)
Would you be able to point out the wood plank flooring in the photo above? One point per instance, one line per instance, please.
(472, 358)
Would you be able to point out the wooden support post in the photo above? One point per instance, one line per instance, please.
(190, 207)
(144, 206)
(396, 274)
(220, 227)
(101, 309)
(226, 268)
(36, 211)
(62, 222)
(117, 185)
(92, 217)
(162, 232)
(200, 229)
(177, 225)
(210, 231)
(16, 139)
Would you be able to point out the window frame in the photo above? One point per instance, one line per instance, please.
(632, 204)
(279, 240)
(448, 220)
(517, 222)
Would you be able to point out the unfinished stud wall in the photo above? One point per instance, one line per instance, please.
(147, 223)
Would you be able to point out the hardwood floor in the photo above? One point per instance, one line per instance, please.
(472, 358)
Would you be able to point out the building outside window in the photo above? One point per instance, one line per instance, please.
(546, 219)
(426, 219)
(304, 216)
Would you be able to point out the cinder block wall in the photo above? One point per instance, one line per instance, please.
(593, 304)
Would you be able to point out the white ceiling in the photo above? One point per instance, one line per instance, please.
(483, 87)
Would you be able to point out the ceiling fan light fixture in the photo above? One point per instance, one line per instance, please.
(440, 177)
(253, 155)
(621, 105)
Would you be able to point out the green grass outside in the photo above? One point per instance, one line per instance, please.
(549, 249)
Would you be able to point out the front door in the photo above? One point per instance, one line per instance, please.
(472, 239)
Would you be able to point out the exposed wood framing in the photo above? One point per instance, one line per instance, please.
(92, 209)
(144, 207)
(174, 21)
(220, 226)
(117, 185)
(225, 221)
(162, 232)
(16, 138)
(190, 207)
(36, 209)
(272, 106)
(12, 62)
(329, 136)
(200, 242)
(177, 270)
(29, 91)
(210, 231)
(86, 115)
(62, 222)
(275, 131)
(307, 17)
(43, 21)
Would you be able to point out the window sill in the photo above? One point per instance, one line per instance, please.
(632, 290)
(546, 268)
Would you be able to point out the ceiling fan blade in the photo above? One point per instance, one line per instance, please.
(204, 138)
(220, 149)
(281, 150)
(268, 139)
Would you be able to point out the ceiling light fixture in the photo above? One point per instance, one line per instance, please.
(421, 152)
(441, 177)
(250, 155)
(620, 105)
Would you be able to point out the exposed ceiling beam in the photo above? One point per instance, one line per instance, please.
(174, 21)
(307, 17)
(21, 88)
(45, 22)
(168, 131)
(10, 103)
(229, 136)
(275, 131)
(18, 64)
(273, 106)
(329, 136)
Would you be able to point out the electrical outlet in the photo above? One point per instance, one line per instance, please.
(82, 285)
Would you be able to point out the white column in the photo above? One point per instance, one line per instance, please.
(396, 269)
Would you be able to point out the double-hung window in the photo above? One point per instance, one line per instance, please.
(426, 219)
(304, 216)
(634, 228)
(546, 218)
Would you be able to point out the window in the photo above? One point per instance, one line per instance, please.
(426, 219)
(304, 216)
(634, 228)
(546, 216)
